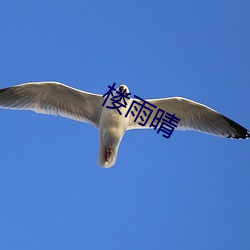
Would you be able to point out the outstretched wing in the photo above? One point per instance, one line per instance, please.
(55, 99)
(195, 116)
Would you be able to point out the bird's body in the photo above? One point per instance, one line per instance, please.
(58, 99)
(112, 127)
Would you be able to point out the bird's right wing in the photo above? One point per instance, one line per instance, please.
(193, 116)
(55, 99)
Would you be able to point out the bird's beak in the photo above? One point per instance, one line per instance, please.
(122, 87)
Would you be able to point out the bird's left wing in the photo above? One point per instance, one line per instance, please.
(53, 98)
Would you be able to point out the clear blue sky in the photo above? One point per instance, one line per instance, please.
(189, 192)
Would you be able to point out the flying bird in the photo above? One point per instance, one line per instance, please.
(55, 98)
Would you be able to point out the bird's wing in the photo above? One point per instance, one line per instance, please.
(193, 116)
(53, 98)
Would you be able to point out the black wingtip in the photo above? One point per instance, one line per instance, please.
(248, 134)
(239, 131)
(3, 90)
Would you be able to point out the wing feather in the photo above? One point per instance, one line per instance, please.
(195, 116)
(53, 98)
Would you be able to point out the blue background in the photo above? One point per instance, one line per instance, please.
(188, 192)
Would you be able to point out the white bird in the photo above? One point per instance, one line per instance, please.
(58, 99)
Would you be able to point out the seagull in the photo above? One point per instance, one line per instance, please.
(55, 98)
